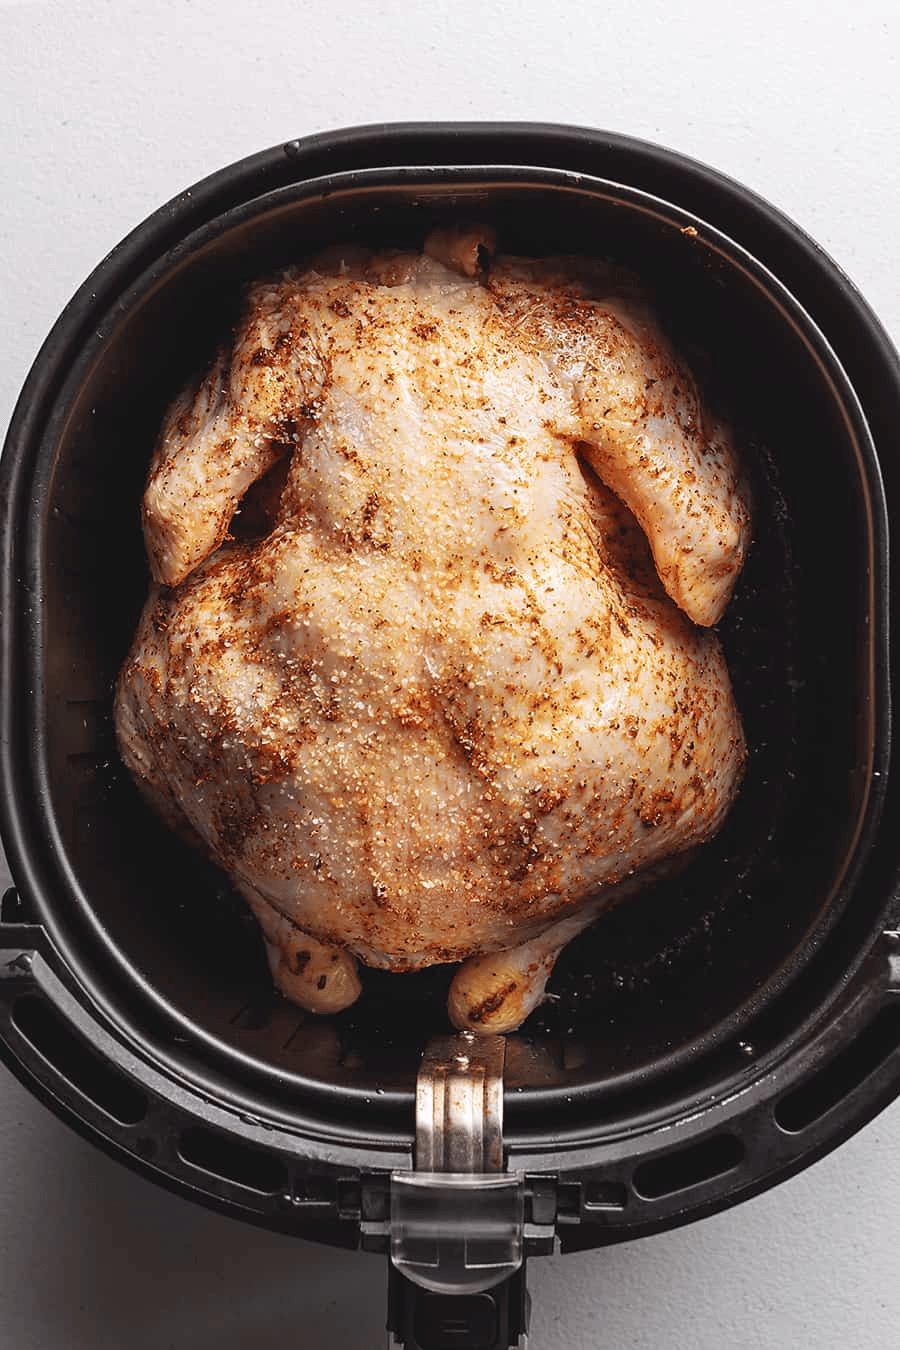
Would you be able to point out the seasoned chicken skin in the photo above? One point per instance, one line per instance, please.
(457, 693)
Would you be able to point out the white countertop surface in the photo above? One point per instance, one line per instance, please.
(109, 110)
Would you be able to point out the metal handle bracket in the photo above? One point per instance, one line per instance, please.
(457, 1220)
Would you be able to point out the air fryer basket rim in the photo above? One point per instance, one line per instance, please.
(103, 330)
(122, 269)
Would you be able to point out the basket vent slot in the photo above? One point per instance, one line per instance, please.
(230, 1161)
(848, 1070)
(688, 1167)
(63, 1049)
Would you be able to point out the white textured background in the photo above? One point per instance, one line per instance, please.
(110, 109)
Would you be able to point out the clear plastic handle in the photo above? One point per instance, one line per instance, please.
(457, 1232)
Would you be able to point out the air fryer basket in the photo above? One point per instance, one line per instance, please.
(705, 1039)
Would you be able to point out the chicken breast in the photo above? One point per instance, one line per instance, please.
(457, 692)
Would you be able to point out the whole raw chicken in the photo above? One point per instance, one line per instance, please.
(449, 693)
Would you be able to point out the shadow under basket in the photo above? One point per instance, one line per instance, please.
(704, 1040)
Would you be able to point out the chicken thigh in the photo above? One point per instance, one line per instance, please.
(457, 693)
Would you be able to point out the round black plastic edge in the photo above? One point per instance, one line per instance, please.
(728, 1193)
(248, 1208)
(581, 149)
(277, 1210)
(656, 169)
(772, 285)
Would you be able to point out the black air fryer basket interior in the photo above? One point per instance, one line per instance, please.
(764, 949)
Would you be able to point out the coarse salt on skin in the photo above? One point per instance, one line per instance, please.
(458, 692)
